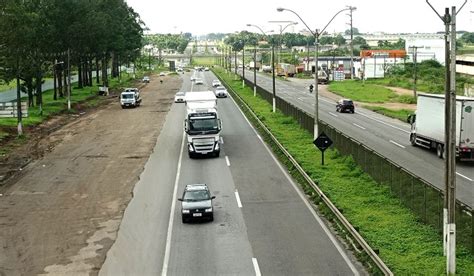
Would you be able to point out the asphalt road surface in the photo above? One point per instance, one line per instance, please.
(262, 223)
(389, 137)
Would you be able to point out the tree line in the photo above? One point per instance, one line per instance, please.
(40, 37)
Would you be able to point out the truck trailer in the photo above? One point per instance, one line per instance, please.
(428, 125)
(202, 124)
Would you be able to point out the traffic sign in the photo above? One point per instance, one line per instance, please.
(323, 142)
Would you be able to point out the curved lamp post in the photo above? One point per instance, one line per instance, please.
(273, 66)
(290, 23)
(316, 33)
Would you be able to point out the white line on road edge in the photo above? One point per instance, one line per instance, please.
(164, 270)
(259, 137)
(384, 123)
(361, 127)
(227, 161)
(305, 201)
(237, 197)
(332, 114)
(397, 144)
(255, 266)
(222, 140)
(465, 177)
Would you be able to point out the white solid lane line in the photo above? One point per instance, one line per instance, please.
(237, 197)
(222, 140)
(255, 266)
(465, 177)
(332, 114)
(164, 270)
(397, 144)
(227, 161)
(259, 137)
(384, 123)
(361, 127)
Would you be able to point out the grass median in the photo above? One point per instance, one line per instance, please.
(405, 245)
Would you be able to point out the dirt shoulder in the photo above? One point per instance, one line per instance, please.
(62, 213)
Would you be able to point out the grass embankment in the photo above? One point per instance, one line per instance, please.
(406, 246)
(80, 99)
(369, 92)
(204, 61)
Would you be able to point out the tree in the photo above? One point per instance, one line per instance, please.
(339, 40)
(468, 37)
(355, 31)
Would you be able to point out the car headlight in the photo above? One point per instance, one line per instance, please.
(185, 211)
(208, 210)
(191, 148)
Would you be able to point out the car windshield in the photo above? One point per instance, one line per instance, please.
(180, 94)
(127, 96)
(207, 125)
(347, 102)
(220, 88)
(196, 195)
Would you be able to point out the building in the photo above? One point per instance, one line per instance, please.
(426, 49)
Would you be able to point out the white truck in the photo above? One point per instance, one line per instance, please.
(427, 125)
(202, 124)
(130, 97)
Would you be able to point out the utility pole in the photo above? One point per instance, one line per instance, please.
(235, 64)
(415, 61)
(449, 229)
(352, 39)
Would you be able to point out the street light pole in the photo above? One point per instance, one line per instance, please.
(273, 67)
(352, 39)
(255, 71)
(243, 64)
(316, 35)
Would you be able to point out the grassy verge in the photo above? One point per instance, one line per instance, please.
(362, 92)
(204, 61)
(406, 246)
(401, 114)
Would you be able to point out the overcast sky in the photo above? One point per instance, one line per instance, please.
(213, 16)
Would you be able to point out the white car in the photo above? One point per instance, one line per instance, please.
(193, 78)
(179, 97)
(221, 92)
(198, 81)
(216, 83)
(162, 74)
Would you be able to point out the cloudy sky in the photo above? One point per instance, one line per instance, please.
(212, 16)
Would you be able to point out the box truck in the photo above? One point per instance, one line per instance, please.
(202, 124)
(427, 125)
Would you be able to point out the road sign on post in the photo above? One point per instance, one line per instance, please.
(323, 142)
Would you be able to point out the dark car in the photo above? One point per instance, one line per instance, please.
(196, 203)
(345, 105)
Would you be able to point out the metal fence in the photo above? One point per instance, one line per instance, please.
(424, 199)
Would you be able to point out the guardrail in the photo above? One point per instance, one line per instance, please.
(9, 109)
(340, 217)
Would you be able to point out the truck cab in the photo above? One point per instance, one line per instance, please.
(130, 97)
(202, 124)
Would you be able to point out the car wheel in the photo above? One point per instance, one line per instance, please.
(413, 139)
(440, 150)
(183, 219)
(211, 218)
(352, 111)
(216, 154)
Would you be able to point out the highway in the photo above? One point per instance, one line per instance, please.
(389, 137)
(262, 222)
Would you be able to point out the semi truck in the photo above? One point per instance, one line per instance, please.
(202, 124)
(428, 125)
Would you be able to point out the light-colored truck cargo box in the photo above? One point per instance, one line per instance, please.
(428, 124)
